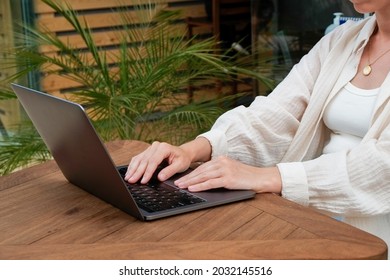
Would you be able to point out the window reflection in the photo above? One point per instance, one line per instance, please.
(285, 30)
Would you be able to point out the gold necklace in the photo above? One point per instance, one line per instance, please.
(368, 69)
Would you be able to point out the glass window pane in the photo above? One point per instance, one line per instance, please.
(285, 30)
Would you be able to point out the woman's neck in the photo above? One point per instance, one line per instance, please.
(383, 26)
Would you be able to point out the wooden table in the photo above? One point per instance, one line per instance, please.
(42, 216)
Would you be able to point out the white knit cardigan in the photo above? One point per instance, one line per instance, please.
(286, 129)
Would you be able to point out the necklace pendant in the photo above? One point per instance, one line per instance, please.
(367, 70)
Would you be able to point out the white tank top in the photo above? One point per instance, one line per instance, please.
(348, 116)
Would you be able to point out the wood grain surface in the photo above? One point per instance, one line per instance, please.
(42, 216)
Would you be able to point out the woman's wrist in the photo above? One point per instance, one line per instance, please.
(198, 149)
(268, 180)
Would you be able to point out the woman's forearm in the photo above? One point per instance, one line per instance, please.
(198, 149)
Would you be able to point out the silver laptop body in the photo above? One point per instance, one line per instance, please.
(83, 159)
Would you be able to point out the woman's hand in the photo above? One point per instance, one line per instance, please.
(143, 165)
(178, 159)
(231, 174)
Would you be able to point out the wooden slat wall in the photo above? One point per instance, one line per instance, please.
(101, 18)
(9, 109)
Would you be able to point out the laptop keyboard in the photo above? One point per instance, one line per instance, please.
(156, 197)
(161, 197)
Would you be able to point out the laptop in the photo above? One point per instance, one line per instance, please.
(83, 159)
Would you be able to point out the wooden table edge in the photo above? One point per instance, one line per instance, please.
(202, 250)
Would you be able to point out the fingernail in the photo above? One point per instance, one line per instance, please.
(129, 178)
(191, 189)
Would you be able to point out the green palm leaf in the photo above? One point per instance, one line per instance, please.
(135, 92)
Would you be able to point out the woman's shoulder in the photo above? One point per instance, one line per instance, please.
(362, 28)
(354, 32)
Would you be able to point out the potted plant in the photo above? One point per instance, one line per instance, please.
(137, 97)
